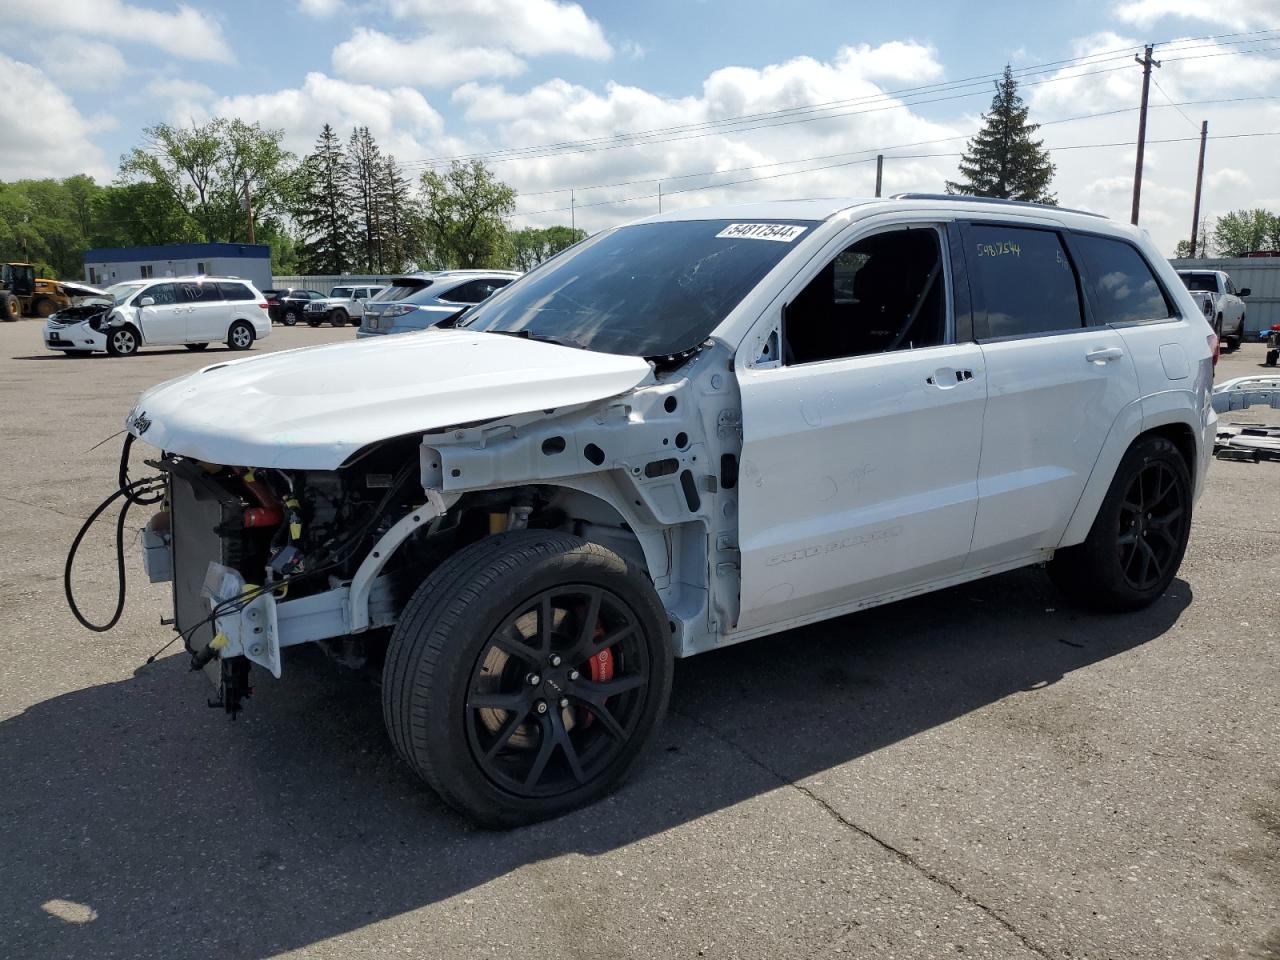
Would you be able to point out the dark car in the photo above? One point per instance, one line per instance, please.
(286, 305)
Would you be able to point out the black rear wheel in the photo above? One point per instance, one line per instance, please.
(1138, 539)
(338, 318)
(526, 675)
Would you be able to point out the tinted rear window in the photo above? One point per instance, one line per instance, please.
(1027, 280)
(235, 291)
(1124, 288)
(339, 293)
(1200, 281)
(401, 289)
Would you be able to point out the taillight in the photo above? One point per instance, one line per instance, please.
(263, 305)
(398, 309)
(1214, 347)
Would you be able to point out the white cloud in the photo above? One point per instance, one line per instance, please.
(632, 50)
(187, 34)
(401, 119)
(1237, 14)
(531, 28)
(433, 60)
(82, 64)
(186, 99)
(320, 8)
(1228, 177)
(44, 134)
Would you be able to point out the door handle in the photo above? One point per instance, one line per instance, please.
(1104, 354)
(944, 378)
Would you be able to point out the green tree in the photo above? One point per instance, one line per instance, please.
(323, 208)
(401, 221)
(206, 170)
(1240, 231)
(366, 164)
(139, 214)
(463, 214)
(1002, 160)
(532, 245)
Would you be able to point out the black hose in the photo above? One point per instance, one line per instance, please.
(129, 491)
(123, 476)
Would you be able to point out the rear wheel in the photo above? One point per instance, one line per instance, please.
(338, 318)
(122, 342)
(195, 346)
(1139, 536)
(290, 318)
(240, 336)
(10, 307)
(526, 675)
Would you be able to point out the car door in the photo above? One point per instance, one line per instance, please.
(164, 320)
(206, 311)
(1055, 386)
(861, 442)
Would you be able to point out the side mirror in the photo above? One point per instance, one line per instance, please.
(146, 301)
(1244, 292)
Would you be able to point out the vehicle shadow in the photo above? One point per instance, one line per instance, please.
(137, 822)
(145, 352)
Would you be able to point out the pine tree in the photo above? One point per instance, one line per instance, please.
(324, 208)
(366, 165)
(1002, 160)
(398, 219)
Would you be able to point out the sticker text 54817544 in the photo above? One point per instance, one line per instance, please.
(781, 232)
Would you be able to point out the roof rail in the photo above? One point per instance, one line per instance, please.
(967, 198)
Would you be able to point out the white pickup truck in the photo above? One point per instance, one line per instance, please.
(343, 305)
(1228, 307)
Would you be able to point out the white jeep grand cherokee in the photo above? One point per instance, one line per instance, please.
(697, 429)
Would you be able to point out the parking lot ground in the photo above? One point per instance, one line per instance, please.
(983, 772)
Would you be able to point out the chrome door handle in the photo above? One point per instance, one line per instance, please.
(1104, 354)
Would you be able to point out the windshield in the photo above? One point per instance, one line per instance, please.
(1200, 281)
(340, 293)
(650, 289)
(120, 292)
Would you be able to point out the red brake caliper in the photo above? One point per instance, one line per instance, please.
(601, 667)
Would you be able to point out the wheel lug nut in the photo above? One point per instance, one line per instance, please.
(564, 702)
(573, 674)
(541, 706)
(555, 659)
(533, 679)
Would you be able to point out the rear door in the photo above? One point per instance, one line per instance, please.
(165, 319)
(1055, 386)
(206, 311)
(861, 443)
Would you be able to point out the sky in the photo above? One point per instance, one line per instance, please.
(703, 101)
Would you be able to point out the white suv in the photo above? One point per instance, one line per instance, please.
(192, 311)
(686, 432)
(343, 305)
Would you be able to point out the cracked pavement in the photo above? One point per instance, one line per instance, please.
(983, 772)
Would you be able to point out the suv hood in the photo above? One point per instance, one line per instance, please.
(311, 409)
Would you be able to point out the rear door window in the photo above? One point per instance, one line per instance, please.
(1123, 287)
(234, 291)
(198, 292)
(1025, 281)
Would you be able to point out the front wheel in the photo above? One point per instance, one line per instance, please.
(240, 336)
(526, 675)
(290, 318)
(122, 342)
(338, 318)
(1139, 536)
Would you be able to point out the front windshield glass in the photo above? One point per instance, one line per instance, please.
(120, 292)
(647, 290)
(1200, 281)
(340, 293)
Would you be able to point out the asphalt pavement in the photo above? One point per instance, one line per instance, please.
(983, 772)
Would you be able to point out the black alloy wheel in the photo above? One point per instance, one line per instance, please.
(1153, 523)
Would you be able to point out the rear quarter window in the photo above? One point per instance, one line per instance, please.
(1123, 286)
(235, 291)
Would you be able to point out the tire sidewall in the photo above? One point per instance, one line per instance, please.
(452, 769)
(338, 318)
(116, 351)
(231, 332)
(290, 318)
(1106, 527)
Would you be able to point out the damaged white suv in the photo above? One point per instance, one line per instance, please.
(693, 430)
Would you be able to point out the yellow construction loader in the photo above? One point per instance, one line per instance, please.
(22, 293)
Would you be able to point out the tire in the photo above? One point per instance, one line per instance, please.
(240, 336)
(314, 324)
(195, 346)
(290, 318)
(123, 341)
(507, 766)
(43, 307)
(338, 318)
(1138, 537)
(10, 307)
(354, 321)
(1273, 355)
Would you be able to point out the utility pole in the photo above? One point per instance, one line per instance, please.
(1145, 62)
(248, 203)
(879, 171)
(1195, 215)
(659, 196)
(573, 218)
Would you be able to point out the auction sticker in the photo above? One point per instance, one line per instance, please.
(782, 232)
